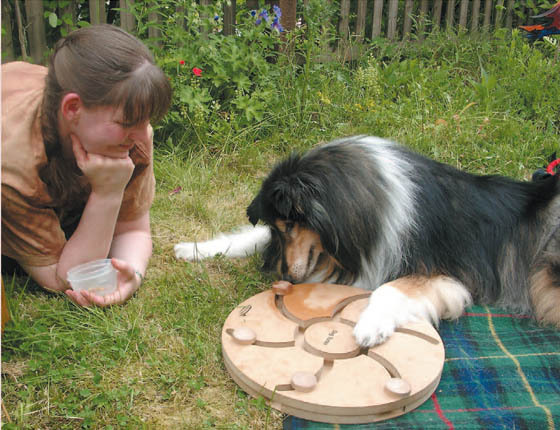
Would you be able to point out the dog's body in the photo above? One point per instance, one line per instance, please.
(424, 236)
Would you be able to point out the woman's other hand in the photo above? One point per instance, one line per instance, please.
(128, 282)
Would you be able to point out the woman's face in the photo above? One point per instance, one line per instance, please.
(101, 130)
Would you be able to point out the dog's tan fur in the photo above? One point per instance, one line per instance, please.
(545, 297)
(301, 246)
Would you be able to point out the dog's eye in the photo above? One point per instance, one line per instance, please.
(289, 226)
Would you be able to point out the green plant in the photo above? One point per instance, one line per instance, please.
(233, 84)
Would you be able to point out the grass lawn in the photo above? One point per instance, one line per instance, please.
(486, 106)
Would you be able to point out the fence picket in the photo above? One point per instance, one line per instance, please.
(464, 10)
(450, 14)
(343, 27)
(475, 16)
(361, 20)
(392, 19)
(436, 15)
(407, 25)
(487, 15)
(423, 17)
(377, 18)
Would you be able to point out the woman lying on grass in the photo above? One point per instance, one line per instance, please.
(77, 171)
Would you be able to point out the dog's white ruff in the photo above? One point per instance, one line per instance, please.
(246, 241)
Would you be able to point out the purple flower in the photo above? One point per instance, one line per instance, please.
(264, 15)
(253, 12)
(276, 25)
(277, 10)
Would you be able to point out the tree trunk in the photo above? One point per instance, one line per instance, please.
(37, 36)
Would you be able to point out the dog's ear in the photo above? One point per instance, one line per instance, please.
(254, 210)
(287, 199)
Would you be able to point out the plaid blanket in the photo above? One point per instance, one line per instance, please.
(501, 371)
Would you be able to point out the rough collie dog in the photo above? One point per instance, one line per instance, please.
(425, 237)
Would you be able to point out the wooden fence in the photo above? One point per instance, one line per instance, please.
(24, 21)
(467, 14)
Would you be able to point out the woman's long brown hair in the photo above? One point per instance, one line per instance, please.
(105, 66)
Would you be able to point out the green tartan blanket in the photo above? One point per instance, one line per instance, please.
(501, 371)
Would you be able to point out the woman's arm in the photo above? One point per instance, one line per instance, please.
(130, 251)
(94, 235)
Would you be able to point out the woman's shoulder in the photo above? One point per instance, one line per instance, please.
(20, 74)
(22, 142)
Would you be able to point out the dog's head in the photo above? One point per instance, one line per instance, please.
(304, 201)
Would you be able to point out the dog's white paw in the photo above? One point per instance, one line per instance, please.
(374, 328)
(190, 251)
(245, 241)
(387, 310)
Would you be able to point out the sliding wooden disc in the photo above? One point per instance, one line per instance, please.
(301, 356)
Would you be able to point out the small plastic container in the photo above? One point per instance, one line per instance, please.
(98, 277)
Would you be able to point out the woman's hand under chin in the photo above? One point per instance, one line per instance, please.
(106, 175)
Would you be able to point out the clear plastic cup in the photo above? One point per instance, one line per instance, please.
(98, 277)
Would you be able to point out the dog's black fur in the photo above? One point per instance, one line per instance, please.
(382, 212)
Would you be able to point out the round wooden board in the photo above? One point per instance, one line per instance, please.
(298, 352)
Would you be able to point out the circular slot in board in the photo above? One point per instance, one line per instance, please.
(296, 349)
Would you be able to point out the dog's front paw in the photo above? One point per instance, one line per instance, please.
(187, 251)
(388, 308)
(374, 328)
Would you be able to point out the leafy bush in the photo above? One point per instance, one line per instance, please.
(259, 80)
(219, 81)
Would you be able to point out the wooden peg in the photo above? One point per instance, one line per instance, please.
(398, 386)
(304, 381)
(282, 288)
(244, 335)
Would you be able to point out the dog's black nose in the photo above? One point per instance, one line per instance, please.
(287, 277)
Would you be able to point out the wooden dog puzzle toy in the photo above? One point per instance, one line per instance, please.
(293, 345)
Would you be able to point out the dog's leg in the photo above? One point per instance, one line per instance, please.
(545, 285)
(246, 241)
(408, 299)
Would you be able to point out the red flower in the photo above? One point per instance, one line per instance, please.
(182, 62)
(197, 71)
